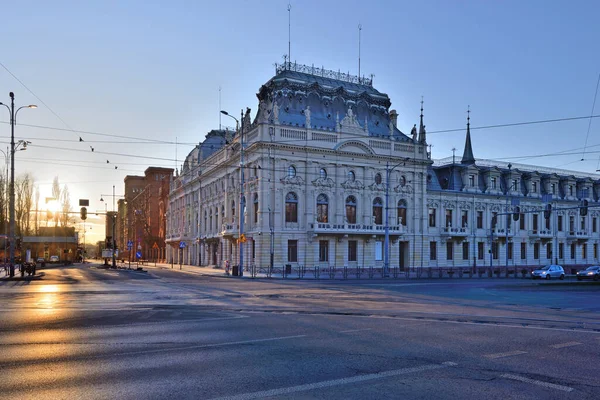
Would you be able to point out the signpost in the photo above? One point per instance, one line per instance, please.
(155, 247)
(182, 246)
(129, 247)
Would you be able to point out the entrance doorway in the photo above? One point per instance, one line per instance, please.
(403, 255)
(215, 248)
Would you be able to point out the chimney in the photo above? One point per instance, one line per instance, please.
(394, 118)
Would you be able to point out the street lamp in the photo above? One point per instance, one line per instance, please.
(4, 205)
(13, 121)
(242, 199)
(386, 252)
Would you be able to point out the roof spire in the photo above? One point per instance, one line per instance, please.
(468, 153)
(422, 134)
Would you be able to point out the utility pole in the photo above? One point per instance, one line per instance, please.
(242, 199)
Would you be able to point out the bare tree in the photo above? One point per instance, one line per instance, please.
(23, 203)
(36, 216)
(65, 205)
(56, 196)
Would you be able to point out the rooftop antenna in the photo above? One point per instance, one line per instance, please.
(220, 108)
(289, 8)
(359, 29)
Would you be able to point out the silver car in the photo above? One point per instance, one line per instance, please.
(549, 271)
(592, 272)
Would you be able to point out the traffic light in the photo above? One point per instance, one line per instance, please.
(83, 213)
(584, 208)
(548, 211)
(516, 213)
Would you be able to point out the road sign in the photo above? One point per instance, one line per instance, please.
(155, 245)
(138, 254)
(182, 245)
(129, 245)
(242, 238)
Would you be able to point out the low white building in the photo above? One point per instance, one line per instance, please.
(323, 160)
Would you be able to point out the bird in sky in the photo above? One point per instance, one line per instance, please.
(80, 139)
(92, 148)
(108, 162)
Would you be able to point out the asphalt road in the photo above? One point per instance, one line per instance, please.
(85, 332)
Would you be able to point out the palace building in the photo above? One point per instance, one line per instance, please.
(323, 176)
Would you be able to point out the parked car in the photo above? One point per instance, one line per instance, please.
(592, 272)
(549, 271)
(54, 259)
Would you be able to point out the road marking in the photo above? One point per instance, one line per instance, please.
(336, 382)
(507, 354)
(355, 330)
(561, 345)
(539, 383)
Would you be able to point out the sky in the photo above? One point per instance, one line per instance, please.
(139, 80)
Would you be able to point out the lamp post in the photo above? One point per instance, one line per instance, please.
(242, 199)
(5, 209)
(13, 120)
(386, 251)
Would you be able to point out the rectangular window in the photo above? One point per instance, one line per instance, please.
(548, 223)
(561, 251)
(471, 180)
(495, 250)
(522, 221)
(510, 250)
(584, 251)
(323, 250)
(479, 219)
(535, 222)
(594, 225)
(292, 251)
(536, 251)
(559, 222)
(583, 223)
(352, 246)
(572, 251)
(570, 190)
(464, 219)
(523, 251)
(493, 182)
(432, 217)
(433, 251)
(448, 218)
(465, 248)
(449, 250)
(480, 250)
(533, 187)
(253, 249)
(595, 250)
(378, 251)
(549, 251)
(553, 188)
(494, 218)
(571, 224)
(514, 184)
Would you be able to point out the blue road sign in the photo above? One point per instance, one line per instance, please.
(138, 254)
(182, 245)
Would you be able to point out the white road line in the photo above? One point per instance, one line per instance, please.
(507, 354)
(355, 330)
(335, 382)
(561, 345)
(539, 383)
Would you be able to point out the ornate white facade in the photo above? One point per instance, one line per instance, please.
(316, 163)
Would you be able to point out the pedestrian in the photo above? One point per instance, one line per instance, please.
(226, 267)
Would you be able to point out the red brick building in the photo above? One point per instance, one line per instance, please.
(141, 214)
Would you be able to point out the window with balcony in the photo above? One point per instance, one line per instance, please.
(291, 207)
(582, 223)
(535, 223)
(322, 208)
(432, 217)
(479, 219)
(522, 221)
(351, 209)
(377, 211)
(559, 222)
(448, 218)
(464, 218)
(572, 224)
(402, 213)
(433, 251)
(547, 223)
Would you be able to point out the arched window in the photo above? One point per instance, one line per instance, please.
(322, 208)
(351, 209)
(323, 173)
(291, 207)
(291, 171)
(402, 180)
(255, 208)
(378, 211)
(351, 176)
(402, 212)
(378, 178)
